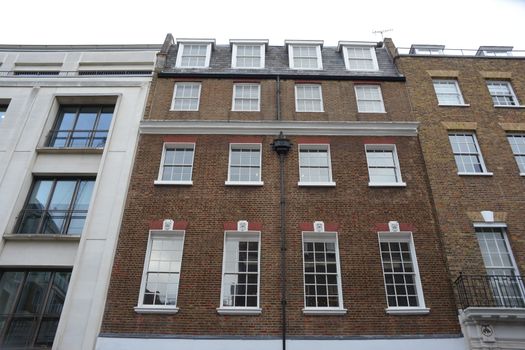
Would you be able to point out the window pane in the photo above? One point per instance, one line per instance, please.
(162, 278)
(31, 316)
(9, 283)
(186, 97)
(399, 274)
(466, 154)
(240, 284)
(369, 99)
(77, 126)
(321, 286)
(60, 216)
(178, 163)
(245, 163)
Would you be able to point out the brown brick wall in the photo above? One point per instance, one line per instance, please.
(208, 204)
(455, 196)
(216, 101)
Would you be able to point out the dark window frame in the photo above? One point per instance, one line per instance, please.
(69, 214)
(3, 110)
(40, 316)
(91, 133)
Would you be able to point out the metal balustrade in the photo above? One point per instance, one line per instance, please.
(490, 291)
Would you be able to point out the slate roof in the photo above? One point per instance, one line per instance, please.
(277, 63)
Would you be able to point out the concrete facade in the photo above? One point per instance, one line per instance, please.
(34, 97)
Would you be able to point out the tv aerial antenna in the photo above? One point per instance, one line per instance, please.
(382, 31)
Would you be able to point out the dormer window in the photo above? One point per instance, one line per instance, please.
(359, 56)
(305, 54)
(194, 53)
(248, 54)
(427, 50)
(494, 51)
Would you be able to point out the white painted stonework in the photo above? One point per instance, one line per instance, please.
(493, 328)
(33, 105)
(104, 343)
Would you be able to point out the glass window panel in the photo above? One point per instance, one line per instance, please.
(40, 194)
(466, 153)
(67, 120)
(62, 195)
(399, 274)
(34, 292)
(9, 283)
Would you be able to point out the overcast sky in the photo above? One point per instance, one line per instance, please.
(454, 23)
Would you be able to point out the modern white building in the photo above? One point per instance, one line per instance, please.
(69, 118)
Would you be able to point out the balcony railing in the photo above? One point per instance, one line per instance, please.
(88, 138)
(75, 74)
(490, 291)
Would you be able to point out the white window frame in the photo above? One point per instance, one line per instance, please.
(503, 228)
(318, 146)
(319, 86)
(291, 48)
(180, 83)
(373, 55)
(511, 90)
(234, 96)
(324, 237)
(245, 310)
(484, 171)
(404, 237)
(397, 168)
(517, 154)
(181, 44)
(158, 309)
(458, 92)
(245, 183)
(235, 44)
(165, 147)
(358, 86)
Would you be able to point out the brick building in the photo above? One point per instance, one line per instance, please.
(69, 118)
(279, 196)
(470, 107)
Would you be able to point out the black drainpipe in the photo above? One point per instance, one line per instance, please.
(278, 98)
(282, 146)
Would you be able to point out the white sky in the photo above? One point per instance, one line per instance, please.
(454, 23)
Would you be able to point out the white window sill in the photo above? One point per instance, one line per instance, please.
(247, 111)
(164, 182)
(247, 67)
(322, 111)
(324, 311)
(192, 67)
(381, 112)
(40, 237)
(363, 70)
(316, 68)
(475, 174)
(155, 310)
(239, 311)
(407, 310)
(518, 107)
(457, 105)
(316, 184)
(387, 184)
(184, 110)
(244, 183)
(522, 174)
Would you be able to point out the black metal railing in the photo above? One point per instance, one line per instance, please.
(58, 222)
(489, 291)
(88, 138)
